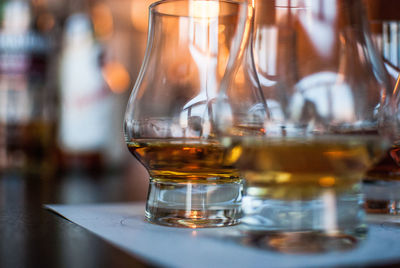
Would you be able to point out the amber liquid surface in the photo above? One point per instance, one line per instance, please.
(300, 169)
(183, 160)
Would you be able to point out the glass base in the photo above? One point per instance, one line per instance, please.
(328, 222)
(194, 205)
(382, 197)
(302, 242)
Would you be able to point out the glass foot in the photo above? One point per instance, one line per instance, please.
(301, 242)
(382, 197)
(328, 222)
(194, 205)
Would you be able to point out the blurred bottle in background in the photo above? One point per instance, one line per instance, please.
(86, 102)
(42, 76)
(118, 48)
(100, 58)
(27, 93)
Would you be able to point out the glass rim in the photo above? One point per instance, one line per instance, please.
(153, 7)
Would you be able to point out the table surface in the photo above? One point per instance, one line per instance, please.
(31, 236)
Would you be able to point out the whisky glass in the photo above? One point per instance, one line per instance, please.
(168, 125)
(381, 184)
(328, 117)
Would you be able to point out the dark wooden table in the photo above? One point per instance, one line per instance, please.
(31, 236)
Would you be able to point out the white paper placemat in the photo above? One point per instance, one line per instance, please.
(123, 225)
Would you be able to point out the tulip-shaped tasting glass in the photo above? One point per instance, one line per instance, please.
(167, 121)
(327, 113)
